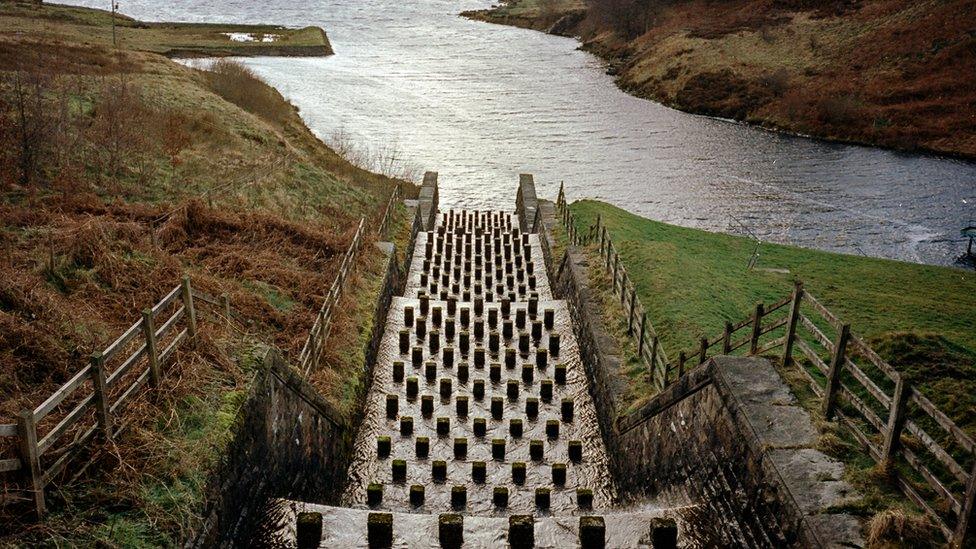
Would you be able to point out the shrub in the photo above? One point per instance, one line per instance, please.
(239, 85)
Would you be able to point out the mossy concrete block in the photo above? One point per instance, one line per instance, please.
(518, 472)
(480, 426)
(543, 498)
(559, 474)
(592, 532)
(422, 447)
(560, 374)
(383, 446)
(459, 496)
(439, 470)
(552, 428)
(536, 450)
(374, 494)
(406, 426)
(309, 530)
(575, 451)
(479, 472)
(399, 470)
(499, 497)
(417, 495)
(443, 426)
(379, 530)
(521, 531)
(450, 530)
(584, 498)
(664, 533)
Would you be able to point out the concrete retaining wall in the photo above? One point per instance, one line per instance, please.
(730, 437)
(288, 442)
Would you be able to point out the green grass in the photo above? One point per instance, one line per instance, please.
(95, 27)
(693, 281)
(919, 318)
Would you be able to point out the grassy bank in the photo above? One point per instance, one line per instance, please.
(921, 319)
(891, 73)
(693, 281)
(120, 170)
(50, 23)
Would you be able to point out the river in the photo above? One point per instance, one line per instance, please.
(481, 103)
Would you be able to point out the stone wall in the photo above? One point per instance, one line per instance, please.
(730, 437)
(597, 349)
(288, 442)
(526, 203)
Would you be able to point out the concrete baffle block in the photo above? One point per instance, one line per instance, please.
(560, 374)
(552, 428)
(398, 371)
(515, 428)
(592, 532)
(383, 446)
(664, 533)
(309, 530)
(460, 448)
(374, 494)
(438, 470)
(536, 450)
(498, 448)
(399, 467)
(575, 451)
(559, 474)
(532, 407)
(499, 497)
(543, 498)
(478, 390)
(521, 531)
(459, 496)
(443, 426)
(406, 426)
(479, 472)
(392, 406)
(422, 447)
(497, 405)
(427, 405)
(450, 530)
(379, 530)
(417, 495)
(480, 426)
(584, 498)
(413, 387)
(567, 408)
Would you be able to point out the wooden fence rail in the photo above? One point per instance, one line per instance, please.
(890, 419)
(90, 405)
(384, 226)
(311, 353)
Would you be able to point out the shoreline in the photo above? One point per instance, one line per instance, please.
(567, 22)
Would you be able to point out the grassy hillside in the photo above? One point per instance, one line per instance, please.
(90, 27)
(887, 72)
(120, 170)
(921, 318)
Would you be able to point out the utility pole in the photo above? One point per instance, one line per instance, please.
(114, 43)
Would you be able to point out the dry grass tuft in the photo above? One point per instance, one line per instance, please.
(897, 528)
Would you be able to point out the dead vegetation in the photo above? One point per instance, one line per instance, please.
(119, 172)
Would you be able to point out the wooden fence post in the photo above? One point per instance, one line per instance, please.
(640, 340)
(756, 328)
(896, 418)
(102, 409)
(633, 308)
(191, 314)
(681, 363)
(791, 323)
(149, 332)
(225, 305)
(703, 350)
(727, 339)
(833, 374)
(609, 257)
(616, 266)
(31, 459)
(961, 535)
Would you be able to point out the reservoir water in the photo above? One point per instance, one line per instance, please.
(481, 103)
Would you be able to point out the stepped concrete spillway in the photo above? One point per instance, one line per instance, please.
(478, 428)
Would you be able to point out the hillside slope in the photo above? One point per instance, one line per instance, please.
(121, 170)
(892, 73)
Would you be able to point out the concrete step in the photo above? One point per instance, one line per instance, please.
(345, 527)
